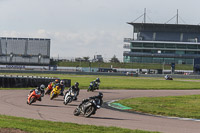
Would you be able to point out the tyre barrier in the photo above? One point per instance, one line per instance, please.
(9, 81)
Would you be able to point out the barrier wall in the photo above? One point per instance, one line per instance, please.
(8, 81)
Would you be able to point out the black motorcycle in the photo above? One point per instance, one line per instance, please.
(88, 107)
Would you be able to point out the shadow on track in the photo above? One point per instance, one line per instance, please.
(46, 105)
(72, 104)
(57, 99)
(109, 92)
(107, 118)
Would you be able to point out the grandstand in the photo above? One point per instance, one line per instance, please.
(163, 43)
(24, 51)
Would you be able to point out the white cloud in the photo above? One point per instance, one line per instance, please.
(86, 27)
(79, 44)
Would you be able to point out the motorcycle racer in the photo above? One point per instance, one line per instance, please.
(97, 98)
(89, 106)
(96, 82)
(94, 85)
(39, 91)
(50, 86)
(60, 86)
(74, 89)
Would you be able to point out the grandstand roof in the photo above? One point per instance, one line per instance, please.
(139, 27)
(15, 38)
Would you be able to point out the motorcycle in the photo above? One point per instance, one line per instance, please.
(93, 86)
(169, 78)
(55, 92)
(69, 96)
(33, 96)
(48, 90)
(87, 108)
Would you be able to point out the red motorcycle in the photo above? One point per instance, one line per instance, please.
(48, 89)
(33, 96)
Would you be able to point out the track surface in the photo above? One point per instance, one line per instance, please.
(13, 102)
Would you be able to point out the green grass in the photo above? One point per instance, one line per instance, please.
(125, 82)
(31, 125)
(124, 65)
(178, 106)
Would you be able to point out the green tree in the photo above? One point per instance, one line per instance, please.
(114, 59)
(86, 58)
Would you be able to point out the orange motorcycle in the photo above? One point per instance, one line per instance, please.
(33, 96)
(48, 89)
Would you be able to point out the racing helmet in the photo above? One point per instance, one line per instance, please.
(100, 95)
(76, 84)
(98, 80)
(42, 87)
(57, 80)
(62, 82)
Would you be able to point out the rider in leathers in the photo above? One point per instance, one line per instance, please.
(75, 89)
(39, 90)
(98, 99)
(95, 83)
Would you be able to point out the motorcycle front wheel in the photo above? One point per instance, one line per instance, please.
(32, 99)
(67, 100)
(48, 92)
(89, 88)
(52, 96)
(77, 111)
(89, 111)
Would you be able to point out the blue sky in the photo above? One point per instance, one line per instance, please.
(79, 28)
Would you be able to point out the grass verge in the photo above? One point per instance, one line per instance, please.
(30, 125)
(124, 82)
(177, 106)
(124, 65)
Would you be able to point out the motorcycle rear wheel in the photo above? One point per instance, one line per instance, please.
(77, 111)
(89, 111)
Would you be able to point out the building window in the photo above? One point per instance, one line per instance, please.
(168, 60)
(169, 51)
(159, 45)
(170, 45)
(136, 59)
(136, 50)
(192, 46)
(149, 45)
(179, 61)
(147, 59)
(181, 46)
(146, 51)
(137, 45)
(157, 60)
(180, 52)
(190, 52)
(189, 61)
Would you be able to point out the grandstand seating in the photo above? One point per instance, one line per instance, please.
(168, 36)
(24, 51)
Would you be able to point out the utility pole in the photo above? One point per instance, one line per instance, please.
(177, 17)
(144, 15)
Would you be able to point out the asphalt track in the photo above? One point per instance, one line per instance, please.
(13, 102)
